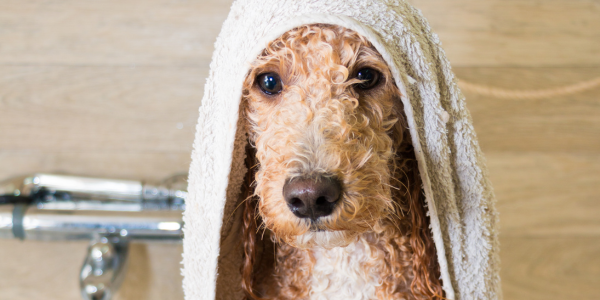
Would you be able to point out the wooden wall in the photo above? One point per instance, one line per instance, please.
(111, 88)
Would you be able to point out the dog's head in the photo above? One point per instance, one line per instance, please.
(324, 115)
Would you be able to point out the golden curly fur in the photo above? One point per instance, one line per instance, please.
(378, 236)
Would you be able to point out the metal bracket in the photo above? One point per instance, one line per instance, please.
(104, 267)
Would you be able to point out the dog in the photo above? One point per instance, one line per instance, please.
(333, 205)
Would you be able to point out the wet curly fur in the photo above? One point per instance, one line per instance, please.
(376, 244)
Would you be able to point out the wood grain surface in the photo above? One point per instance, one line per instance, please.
(167, 32)
(531, 33)
(110, 32)
(111, 89)
(550, 268)
(547, 195)
(127, 109)
(561, 124)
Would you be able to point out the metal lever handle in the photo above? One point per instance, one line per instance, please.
(104, 267)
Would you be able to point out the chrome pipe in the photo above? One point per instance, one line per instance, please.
(51, 191)
(56, 225)
(75, 186)
(60, 207)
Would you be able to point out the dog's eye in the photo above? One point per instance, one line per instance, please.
(369, 78)
(269, 83)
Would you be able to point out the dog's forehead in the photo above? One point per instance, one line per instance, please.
(317, 46)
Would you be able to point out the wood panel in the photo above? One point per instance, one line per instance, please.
(98, 109)
(110, 32)
(516, 32)
(550, 268)
(154, 273)
(162, 32)
(561, 124)
(546, 195)
(141, 165)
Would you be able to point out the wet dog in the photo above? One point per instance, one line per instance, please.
(333, 202)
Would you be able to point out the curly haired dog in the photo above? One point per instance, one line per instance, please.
(333, 201)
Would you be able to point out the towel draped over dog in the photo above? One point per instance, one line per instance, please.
(459, 196)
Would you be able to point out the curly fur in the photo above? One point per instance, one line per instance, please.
(376, 244)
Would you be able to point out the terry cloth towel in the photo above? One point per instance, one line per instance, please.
(459, 196)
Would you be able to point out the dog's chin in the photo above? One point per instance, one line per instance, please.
(324, 238)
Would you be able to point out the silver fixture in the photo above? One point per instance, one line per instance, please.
(103, 269)
(19, 221)
(108, 212)
(50, 191)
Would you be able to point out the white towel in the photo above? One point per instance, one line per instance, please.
(459, 196)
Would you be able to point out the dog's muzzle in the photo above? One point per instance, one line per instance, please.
(312, 197)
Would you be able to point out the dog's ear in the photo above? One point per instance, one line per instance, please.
(249, 227)
(258, 257)
(409, 194)
(425, 265)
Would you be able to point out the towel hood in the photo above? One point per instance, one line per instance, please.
(458, 193)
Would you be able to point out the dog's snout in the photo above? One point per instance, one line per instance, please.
(312, 197)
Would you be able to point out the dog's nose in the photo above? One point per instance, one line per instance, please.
(312, 197)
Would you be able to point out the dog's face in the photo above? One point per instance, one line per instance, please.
(320, 102)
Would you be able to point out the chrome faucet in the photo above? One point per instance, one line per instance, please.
(103, 269)
(108, 212)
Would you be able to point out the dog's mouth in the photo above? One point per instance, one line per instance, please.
(316, 226)
(323, 238)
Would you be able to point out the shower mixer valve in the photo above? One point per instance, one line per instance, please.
(110, 213)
